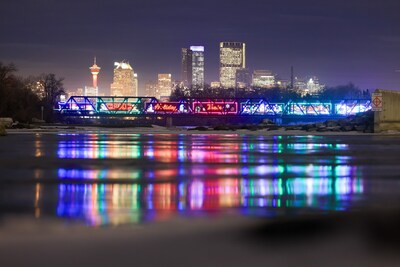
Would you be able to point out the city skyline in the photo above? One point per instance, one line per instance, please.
(339, 42)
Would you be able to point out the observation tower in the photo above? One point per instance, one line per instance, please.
(95, 71)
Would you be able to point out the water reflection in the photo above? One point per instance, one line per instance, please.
(99, 204)
(186, 171)
(204, 156)
(193, 148)
(183, 174)
(92, 146)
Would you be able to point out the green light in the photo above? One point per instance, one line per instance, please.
(359, 186)
(280, 189)
(281, 169)
(135, 205)
(135, 175)
(252, 188)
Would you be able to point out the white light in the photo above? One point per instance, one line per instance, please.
(197, 48)
(123, 65)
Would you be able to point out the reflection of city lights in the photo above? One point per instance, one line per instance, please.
(115, 204)
(199, 173)
(38, 147)
(98, 174)
(99, 204)
(91, 149)
(37, 199)
(196, 192)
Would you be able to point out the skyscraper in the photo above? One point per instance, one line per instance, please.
(197, 66)
(232, 56)
(186, 72)
(193, 66)
(125, 82)
(164, 85)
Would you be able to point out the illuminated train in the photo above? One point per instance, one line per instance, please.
(148, 106)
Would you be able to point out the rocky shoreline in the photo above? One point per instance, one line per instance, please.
(361, 123)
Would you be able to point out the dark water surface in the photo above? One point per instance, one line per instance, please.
(96, 199)
(114, 179)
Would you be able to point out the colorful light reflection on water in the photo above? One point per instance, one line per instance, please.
(200, 174)
(101, 204)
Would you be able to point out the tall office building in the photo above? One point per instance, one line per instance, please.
(164, 85)
(193, 66)
(232, 56)
(186, 72)
(197, 66)
(125, 81)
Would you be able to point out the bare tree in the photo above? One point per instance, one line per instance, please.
(16, 99)
(53, 88)
(8, 82)
(6, 72)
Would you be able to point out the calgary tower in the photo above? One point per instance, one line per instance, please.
(95, 71)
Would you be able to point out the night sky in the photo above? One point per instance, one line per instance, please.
(338, 41)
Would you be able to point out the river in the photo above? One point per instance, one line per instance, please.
(103, 179)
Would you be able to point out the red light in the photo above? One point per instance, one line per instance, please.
(113, 106)
(215, 107)
(166, 107)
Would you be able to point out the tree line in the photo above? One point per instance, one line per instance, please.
(24, 99)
